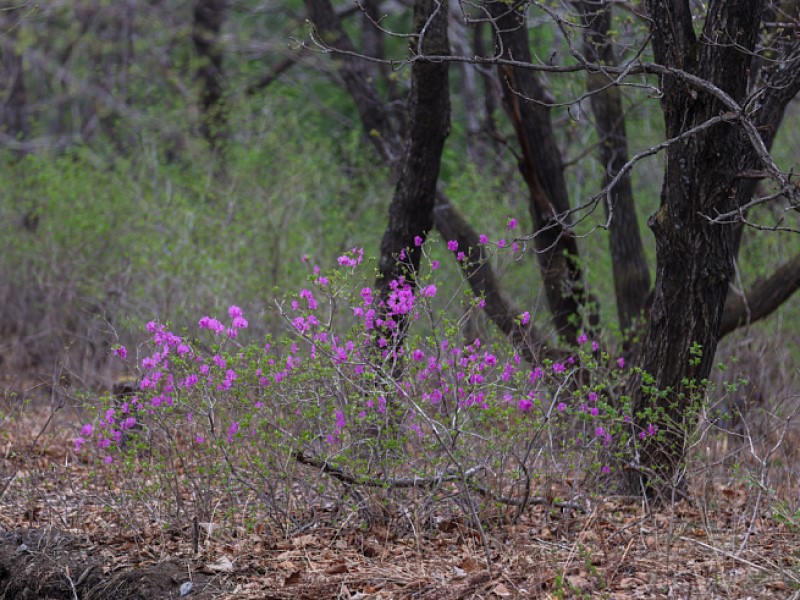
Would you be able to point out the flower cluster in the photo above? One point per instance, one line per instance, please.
(321, 382)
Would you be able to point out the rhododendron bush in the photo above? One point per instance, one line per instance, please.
(361, 403)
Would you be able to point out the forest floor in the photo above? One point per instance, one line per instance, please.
(57, 542)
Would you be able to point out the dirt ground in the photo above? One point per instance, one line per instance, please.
(728, 542)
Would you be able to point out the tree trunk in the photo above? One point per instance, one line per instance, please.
(357, 79)
(631, 273)
(541, 165)
(13, 102)
(525, 339)
(411, 210)
(694, 257)
(209, 16)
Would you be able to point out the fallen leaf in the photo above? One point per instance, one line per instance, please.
(222, 565)
(292, 578)
(336, 568)
(469, 564)
(501, 590)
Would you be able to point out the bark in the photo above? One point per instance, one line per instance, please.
(411, 210)
(694, 257)
(356, 76)
(541, 165)
(491, 93)
(631, 273)
(763, 299)
(447, 219)
(525, 339)
(13, 93)
(209, 17)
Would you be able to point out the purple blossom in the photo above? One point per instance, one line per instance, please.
(418, 241)
(120, 351)
(525, 404)
(512, 224)
(232, 430)
(428, 291)
(483, 239)
(452, 245)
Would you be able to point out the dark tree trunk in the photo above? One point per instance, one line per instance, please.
(531, 344)
(631, 273)
(764, 297)
(374, 117)
(491, 93)
(356, 75)
(411, 210)
(13, 98)
(543, 170)
(209, 17)
(694, 257)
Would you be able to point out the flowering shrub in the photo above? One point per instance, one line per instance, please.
(282, 426)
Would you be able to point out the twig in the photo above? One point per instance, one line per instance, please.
(771, 570)
(425, 482)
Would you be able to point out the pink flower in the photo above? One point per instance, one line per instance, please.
(232, 430)
(621, 362)
(418, 241)
(434, 264)
(512, 224)
(558, 368)
(582, 339)
(452, 245)
(461, 257)
(234, 311)
(525, 318)
(483, 239)
(525, 404)
(428, 291)
(120, 351)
